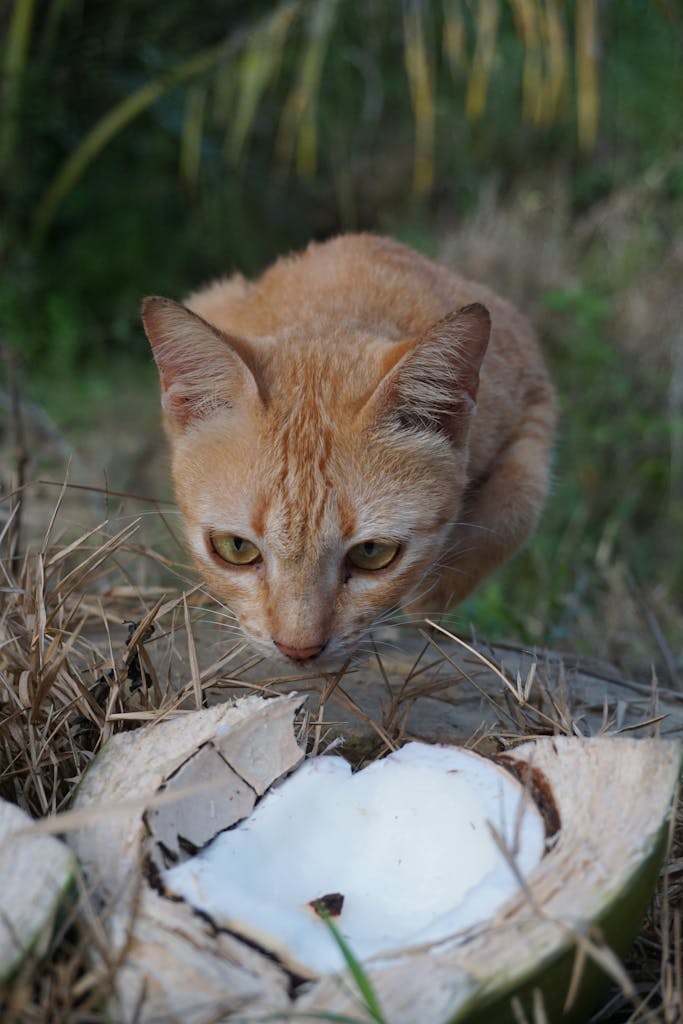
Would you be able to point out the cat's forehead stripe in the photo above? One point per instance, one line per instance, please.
(347, 517)
(304, 483)
(258, 514)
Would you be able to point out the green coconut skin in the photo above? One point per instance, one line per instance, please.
(619, 924)
(39, 880)
(66, 898)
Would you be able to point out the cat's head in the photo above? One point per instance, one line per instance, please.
(318, 477)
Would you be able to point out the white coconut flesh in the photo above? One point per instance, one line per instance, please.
(419, 846)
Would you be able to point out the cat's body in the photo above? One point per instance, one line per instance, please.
(327, 455)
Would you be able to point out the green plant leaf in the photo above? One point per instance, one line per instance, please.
(419, 68)
(259, 67)
(14, 64)
(488, 13)
(298, 126)
(116, 119)
(361, 979)
(587, 91)
(191, 139)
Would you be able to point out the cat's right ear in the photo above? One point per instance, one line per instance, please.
(200, 368)
(431, 383)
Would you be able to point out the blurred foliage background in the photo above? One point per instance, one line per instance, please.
(536, 144)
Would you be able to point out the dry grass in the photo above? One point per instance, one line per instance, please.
(85, 653)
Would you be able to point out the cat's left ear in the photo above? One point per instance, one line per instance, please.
(200, 368)
(433, 382)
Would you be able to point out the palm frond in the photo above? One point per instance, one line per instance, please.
(486, 22)
(16, 50)
(418, 68)
(556, 42)
(192, 134)
(295, 68)
(540, 24)
(299, 124)
(454, 36)
(259, 66)
(587, 93)
(116, 119)
(525, 14)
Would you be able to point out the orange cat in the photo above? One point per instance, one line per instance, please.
(358, 430)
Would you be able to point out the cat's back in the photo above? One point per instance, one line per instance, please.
(361, 278)
(367, 282)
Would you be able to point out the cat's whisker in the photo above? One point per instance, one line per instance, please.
(224, 611)
(226, 628)
(218, 615)
(216, 602)
(368, 647)
(387, 620)
(448, 567)
(470, 526)
(221, 644)
(371, 637)
(218, 620)
(114, 519)
(384, 617)
(415, 594)
(413, 619)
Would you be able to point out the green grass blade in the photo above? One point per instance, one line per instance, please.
(112, 124)
(192, 134)
(259, 66)
(454, 37)
(526, 17)
(282, 1018)
(116, 119)
(13, 69)
(488, 13)
(298, 126)
(56, 13)
(420, 71)
(18, 37)
(587, 90)
(359, 976)
(557, 58)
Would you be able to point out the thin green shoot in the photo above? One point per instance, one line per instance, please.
(359, 976)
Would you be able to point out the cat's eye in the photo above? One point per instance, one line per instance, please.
(373, 554)
(235, 550)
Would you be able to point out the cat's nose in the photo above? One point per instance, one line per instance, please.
(299, 653)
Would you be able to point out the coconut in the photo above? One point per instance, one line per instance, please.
(36, 871)
(416, 847)
(463, 886)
